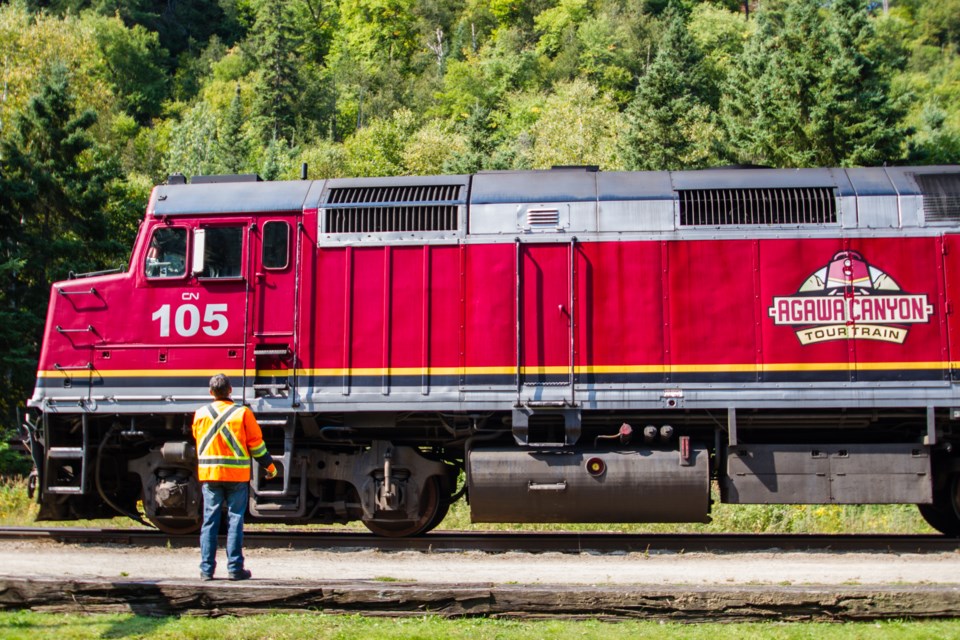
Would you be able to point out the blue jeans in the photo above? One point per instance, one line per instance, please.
(215, 495)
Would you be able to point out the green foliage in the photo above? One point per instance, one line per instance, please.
(56, 185)
(22, 625)
(805, 92)
(14, 502)
(670, 124)
(276, 86)
(132, 59)
(577, 127)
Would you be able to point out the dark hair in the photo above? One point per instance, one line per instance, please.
(220, 387)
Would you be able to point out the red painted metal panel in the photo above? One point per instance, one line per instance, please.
(856, 305)
(951, 274)
(366, 299)
(444, 309)
(546, 307)
(709, 297)
(407, 296)
(490, 306)
(326, 335)
(619, 301)
(273, 290)
(900, 322)
(786, 268)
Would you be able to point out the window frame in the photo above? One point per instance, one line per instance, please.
(263, 246)
(207, 228)
(186, 254)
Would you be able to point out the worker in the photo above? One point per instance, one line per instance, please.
(227, 435)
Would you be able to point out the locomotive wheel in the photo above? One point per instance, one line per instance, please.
(944, 514)
(176, 526)
(431, 505)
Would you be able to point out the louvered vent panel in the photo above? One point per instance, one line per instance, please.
(745, 207)
(392, 209)
(543, 217)
(941, 196)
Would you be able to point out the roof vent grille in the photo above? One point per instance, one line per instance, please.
(752, 207)
(941, 196)
(392, 209)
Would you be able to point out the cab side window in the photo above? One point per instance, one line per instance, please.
(222, 252)
(276, 241)
(167, 253)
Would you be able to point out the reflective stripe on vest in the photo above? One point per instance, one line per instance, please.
(240, 457)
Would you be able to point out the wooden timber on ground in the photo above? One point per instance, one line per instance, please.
(678, 603)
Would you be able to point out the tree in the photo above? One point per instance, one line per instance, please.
(853, 120)
(55, 189)
(131, 67)
(277, 84)
(578, 126)
(193, 143)
(232, 147)
(806, 93)
(669, 123)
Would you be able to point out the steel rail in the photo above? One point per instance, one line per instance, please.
(502, 542)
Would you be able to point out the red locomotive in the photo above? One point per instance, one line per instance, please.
(583, 346)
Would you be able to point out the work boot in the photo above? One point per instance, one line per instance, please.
(205, 577)
(243, 574)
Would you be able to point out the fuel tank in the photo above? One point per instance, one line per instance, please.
(589, 485)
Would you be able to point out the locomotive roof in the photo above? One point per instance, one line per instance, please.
(557, 185)
(572, 185)
(232, 197)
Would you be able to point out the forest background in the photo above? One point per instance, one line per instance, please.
(102, 99)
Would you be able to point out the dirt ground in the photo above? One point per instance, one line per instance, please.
(55, 560)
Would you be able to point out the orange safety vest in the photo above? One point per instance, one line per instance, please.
(227, 435)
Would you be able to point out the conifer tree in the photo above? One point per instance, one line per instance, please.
(277, 85)
(805, 93)
(669, 123)
(232, 148)
(853, 120)
(54, 190)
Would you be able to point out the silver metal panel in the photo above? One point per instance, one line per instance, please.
(911, 211)
(637, 215)
(393, 237)
(493, 218)
(878, 206)
(312, 201)
(638, 185)
(229, 197)
(555, 185)
(754, 178)
(871, 182)
(878, 212)
(831, 473)
(848, 212)
(415, 209)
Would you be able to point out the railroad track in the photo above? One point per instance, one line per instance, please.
(500, 542)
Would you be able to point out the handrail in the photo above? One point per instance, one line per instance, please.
(89, 329)
(85, 367)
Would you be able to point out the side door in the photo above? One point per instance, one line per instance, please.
(545, 323)
(274, 295)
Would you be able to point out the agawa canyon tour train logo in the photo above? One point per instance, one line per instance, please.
(850, 299)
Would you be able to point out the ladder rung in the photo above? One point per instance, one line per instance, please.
(76, 490)
(65, 452)
(279, 386)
